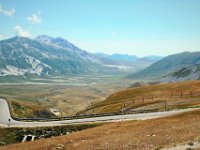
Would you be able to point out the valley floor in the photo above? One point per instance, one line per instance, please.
(67, 95)
(142, 135)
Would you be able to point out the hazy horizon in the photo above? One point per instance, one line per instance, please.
(131, 27)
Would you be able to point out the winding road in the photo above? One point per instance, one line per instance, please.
(6, 120)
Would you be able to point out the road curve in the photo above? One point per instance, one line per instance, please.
(5, 116)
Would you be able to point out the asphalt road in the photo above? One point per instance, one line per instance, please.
(5, 116)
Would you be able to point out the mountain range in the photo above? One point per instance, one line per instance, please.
(48, 56)
(23, 56)
(125, 59)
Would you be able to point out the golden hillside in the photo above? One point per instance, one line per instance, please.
(159, 96)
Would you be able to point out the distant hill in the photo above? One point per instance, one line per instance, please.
(168, 65)
(124, 57)
(125, 61)
(151, 58)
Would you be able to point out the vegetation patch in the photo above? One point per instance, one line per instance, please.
(21, 109)
(15, 135)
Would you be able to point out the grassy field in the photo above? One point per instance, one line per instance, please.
(165, 96)
(152, 134)
(69, 95)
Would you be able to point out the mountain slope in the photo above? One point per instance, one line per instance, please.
(22, 56)
(191, 72)
(167, 65)
(64, 44)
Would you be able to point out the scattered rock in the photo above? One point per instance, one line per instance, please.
(60, 147)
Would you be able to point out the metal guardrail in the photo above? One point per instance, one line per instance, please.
(71, 117)
(57, 118)
(66, 117)
(81, 116)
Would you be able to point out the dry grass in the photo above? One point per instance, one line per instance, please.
(137, 135)
(69, 99)
(183, 93)
(22, 109)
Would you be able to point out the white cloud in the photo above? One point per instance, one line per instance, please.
(35, 18)
(9, 12)
(21, 32)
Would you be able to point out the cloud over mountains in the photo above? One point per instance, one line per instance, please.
(34, 19)
(9, 12)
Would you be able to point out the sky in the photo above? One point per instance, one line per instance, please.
(136, 27)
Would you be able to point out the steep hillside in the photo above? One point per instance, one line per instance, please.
(167, 65)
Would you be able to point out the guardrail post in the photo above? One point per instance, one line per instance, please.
(181, 94)
(9, 120)
(165, 105)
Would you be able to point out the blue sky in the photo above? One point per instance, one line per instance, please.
(139, 27)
